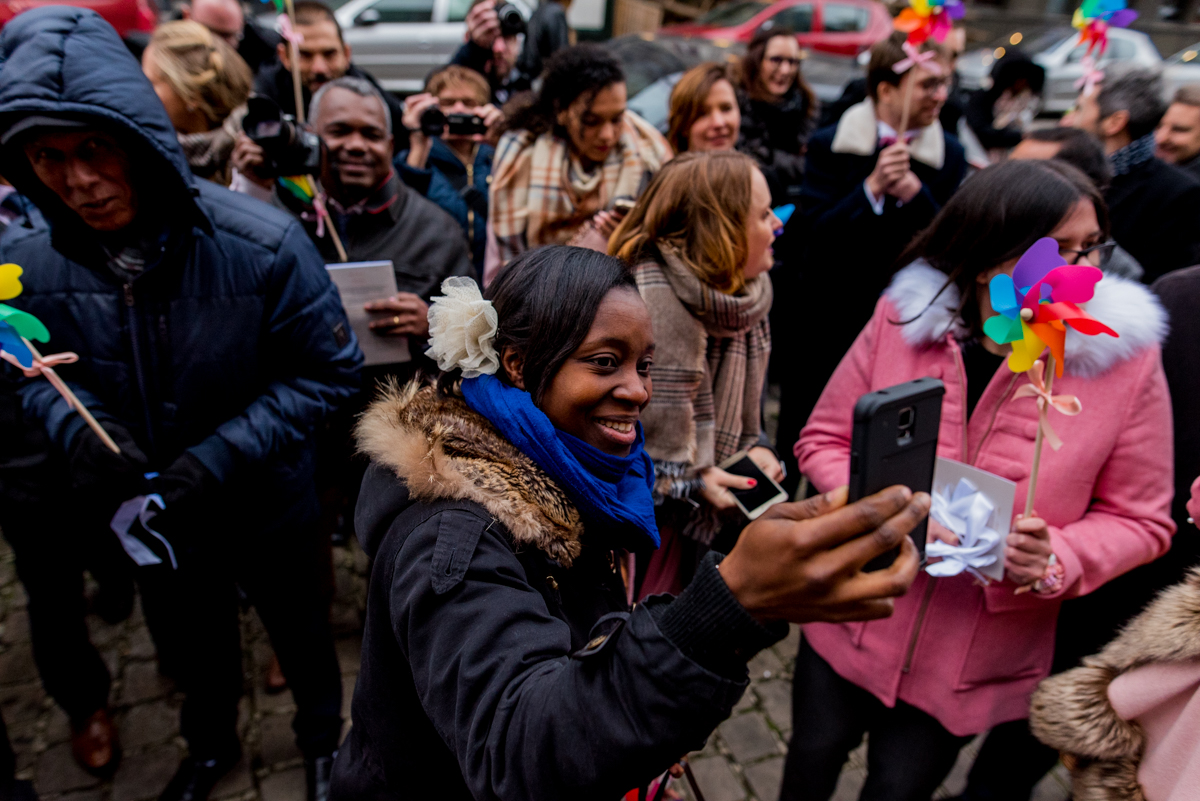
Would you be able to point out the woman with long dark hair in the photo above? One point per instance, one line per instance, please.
(778, 109)
(501, 656)
(958, 657)
(568, 153)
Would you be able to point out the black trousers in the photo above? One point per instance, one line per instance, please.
(53, 544)
(908, 753)
(287, 576)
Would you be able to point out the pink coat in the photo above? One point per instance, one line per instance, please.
(968, 655)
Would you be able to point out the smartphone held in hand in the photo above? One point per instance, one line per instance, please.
(895, 442)
(759, 498)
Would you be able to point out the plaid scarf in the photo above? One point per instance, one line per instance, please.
(709, 364)
(1136, 152)
(541, 195)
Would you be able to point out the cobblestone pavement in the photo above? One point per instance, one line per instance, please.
(743, 760)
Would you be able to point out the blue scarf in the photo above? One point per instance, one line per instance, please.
(611, 491)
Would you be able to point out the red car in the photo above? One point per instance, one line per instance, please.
(127, 16)
(840, 27)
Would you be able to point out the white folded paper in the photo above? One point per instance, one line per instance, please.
(977, 507)
(141, 509)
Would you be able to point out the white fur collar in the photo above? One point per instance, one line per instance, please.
(1128, 307)
(858, 131)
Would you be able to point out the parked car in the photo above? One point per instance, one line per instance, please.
(1057, 48)
(839, 27)
(401, 41)
(129, 17)
(1181, 69)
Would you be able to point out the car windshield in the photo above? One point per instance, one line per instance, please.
(1188, 55)
(1037, 41)
(731, 14)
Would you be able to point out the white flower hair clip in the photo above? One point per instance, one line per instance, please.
(462, 329)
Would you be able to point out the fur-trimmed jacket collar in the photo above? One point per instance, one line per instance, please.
(858, 134)
(442, 450)
(1072, 711)
(919, 293)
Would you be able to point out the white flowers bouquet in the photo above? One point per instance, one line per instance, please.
(462, 329)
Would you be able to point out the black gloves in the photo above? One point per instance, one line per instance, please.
(187, 489)
(101, 475)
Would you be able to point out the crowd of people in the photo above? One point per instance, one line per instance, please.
(565, 589)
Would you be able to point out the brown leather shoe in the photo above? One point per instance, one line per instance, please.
(94, 745)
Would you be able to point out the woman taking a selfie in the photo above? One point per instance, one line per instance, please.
(704, 111)
(778, 109)
(701, 239)
(501, 659)
(568, 153)
(958, 658)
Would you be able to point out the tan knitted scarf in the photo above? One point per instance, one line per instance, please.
(709, 364)
(540, 194)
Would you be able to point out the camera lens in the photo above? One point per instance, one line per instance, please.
(433, 121)
(511, 21)
(907, 415)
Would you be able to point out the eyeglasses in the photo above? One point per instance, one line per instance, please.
(779, 61)
(1096, 255)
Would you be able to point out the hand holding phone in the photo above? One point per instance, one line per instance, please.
(751, 498)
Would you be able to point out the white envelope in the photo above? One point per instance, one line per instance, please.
(999, 491)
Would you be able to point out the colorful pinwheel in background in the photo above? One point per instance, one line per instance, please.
(1095, 17)
(1036, 305)
(277, 3)
(17, 328)
(925, 18)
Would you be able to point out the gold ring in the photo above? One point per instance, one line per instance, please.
(396, 320)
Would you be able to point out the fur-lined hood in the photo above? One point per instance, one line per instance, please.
(1128, 307)
(1072, 711)
(858, 133)
(441, 449)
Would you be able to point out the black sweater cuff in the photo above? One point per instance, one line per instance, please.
(709, 625)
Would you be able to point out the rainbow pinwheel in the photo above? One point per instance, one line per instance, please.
(277, 3)
(15, 325)
(925, 18)
(1095, 17)
(1038, 302)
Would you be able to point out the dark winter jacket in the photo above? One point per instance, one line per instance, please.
(232, 344)
(775, 135)
(1191, 167)
(275, 81)
(398, 224)
(472, 56)
(1155, 214)
(259, 46)
(548, 32)
(459, 190)
(500, 660)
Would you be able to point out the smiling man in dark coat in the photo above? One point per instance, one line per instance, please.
(211, 342)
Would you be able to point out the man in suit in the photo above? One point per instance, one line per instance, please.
(867, 191)
(1154, 206)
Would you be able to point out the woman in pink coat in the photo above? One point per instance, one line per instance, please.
(957, 658)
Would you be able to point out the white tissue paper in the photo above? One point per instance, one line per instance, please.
(977, 507)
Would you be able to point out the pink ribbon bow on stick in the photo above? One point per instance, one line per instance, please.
(1091, 76)
(44, 366)
(283, 24)
(917, 58)
(1038, 388)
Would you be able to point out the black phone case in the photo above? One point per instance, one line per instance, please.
(882, 455)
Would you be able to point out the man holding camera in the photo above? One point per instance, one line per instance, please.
(493, 46)
(449, 160)
(211, 344)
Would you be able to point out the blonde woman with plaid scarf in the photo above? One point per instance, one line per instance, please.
(701, 241)
(568, 153)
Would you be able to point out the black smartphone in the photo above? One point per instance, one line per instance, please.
(465, 125)
(753, 502)
(623, 205)
(895, 442)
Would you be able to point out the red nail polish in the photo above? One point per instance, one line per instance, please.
(753, 483)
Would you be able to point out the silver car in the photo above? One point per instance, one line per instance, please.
(401, 41)
(1181, 69)
(1058, 50)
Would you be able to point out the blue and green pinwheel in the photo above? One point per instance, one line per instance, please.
(16, 325)
(1037, 304)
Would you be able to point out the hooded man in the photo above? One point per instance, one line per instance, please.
(211, 343)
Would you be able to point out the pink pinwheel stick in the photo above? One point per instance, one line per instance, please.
(294, 52)
(1037, 442)
(66, 392)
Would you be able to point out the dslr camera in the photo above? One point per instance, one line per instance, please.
(288, 148)
(511, 21)
(434, 122)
